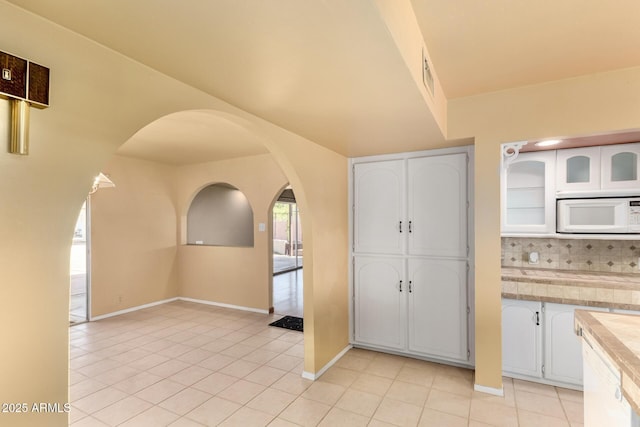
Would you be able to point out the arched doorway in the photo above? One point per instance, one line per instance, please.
(79, 268)
(80, 258)
(288, 249)
(287, 233)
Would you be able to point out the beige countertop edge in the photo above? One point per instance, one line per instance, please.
(602, 283)
(588, 303)
(624, 359)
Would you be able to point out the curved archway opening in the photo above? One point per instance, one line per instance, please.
(216, 274)
(287, 254)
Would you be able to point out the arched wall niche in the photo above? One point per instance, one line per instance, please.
(220, 215)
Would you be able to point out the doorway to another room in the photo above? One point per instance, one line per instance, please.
(288, 251)
(78, 277)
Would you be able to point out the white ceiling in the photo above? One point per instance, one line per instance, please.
(330, 71)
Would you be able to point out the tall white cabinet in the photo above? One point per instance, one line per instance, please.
(411, 254)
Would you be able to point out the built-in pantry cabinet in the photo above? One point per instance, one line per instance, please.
(539, 342)
(410, 254)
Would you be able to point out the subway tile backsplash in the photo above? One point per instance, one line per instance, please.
(616, 256)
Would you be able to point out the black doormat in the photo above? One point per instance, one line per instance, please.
(289, 322)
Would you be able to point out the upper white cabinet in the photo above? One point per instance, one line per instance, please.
(578, 169)
(379, 197)
(427, 215)
(528, 188)
(620, 164)
(437, 206)
(609, 167)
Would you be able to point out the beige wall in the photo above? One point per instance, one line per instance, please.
(98, 100)
(597, 103)
(139, 246)
(133, 237)
(320, 187)
(229, 275)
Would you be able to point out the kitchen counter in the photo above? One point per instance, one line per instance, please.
(617, 338)
(594, 289)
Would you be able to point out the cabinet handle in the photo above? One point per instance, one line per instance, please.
(400, 285)
(410, 287)
(409, 226)
(537, 318)
(401, 226)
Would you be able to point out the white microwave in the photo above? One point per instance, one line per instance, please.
(598, 216)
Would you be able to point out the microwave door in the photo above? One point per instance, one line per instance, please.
(601, 216)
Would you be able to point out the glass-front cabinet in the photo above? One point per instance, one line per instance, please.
(620, 164)
(528, 193)
(608, 167)
(578, 169)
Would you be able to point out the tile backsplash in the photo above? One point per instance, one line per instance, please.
(618, 256)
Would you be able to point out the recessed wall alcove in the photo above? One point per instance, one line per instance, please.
(220, 215)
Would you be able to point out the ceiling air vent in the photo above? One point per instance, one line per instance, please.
(427, 76)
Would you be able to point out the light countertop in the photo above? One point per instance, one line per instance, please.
(595, 289)
(617, 336)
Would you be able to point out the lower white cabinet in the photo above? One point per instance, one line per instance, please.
(413, 306)
(379, 302)
(437, 308)
(563, 349)
(539, 342)
(521, 337)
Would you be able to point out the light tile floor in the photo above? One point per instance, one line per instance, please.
(287, 293)
(187, 364)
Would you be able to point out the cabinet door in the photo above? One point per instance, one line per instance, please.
(529, 194)
(437, 205)
(378, 207)
(563, 351)
(578, 169)
(521, 338)
(620, 166)
(438, 308)
(380, 302)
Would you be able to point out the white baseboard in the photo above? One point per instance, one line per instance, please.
(220, 304)
(130, 309)
(313, 377)
(200, 301)
(489, 390)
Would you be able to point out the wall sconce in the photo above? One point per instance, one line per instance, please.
(101, 181)
(19, 142)
(24, 84)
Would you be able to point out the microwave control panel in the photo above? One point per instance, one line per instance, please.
(634, 215)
